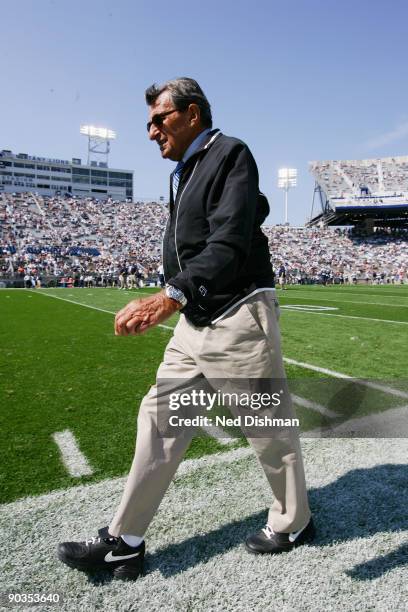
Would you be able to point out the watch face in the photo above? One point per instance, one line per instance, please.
(176, 294)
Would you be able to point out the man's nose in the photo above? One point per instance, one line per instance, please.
(153, 132)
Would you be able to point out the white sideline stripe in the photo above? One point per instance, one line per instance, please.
(305, 403)
(301, 364)
(114, 290)
(384, 424)
(169, 327)
(334, 374)
(139, 292)
(56, 297)
(390, 295)
(189, 466)
(337, 301)
(308, 307)
(219, 434)
(186, 467)
(325, 314)
(74, 460)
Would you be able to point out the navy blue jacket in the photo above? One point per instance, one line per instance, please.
(213, 246)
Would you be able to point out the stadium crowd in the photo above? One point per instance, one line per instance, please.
(91, 241)
(326, 255)
(84, 242)
(377, 178)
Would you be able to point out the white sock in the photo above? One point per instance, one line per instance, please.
(131, 540)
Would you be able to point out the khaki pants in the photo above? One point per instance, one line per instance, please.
(245, 344)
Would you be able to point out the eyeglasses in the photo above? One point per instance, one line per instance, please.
(158, 119)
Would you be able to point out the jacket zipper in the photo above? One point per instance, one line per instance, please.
(214, 136)
(162, 246)
(177, 213)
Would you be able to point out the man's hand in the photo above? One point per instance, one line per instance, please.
(139, 315)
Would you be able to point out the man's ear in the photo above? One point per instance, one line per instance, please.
(194, 114)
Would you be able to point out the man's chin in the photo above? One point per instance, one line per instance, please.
(168, 155)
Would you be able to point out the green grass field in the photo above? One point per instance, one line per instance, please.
(63, 368)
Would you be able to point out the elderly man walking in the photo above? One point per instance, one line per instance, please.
(218, 275)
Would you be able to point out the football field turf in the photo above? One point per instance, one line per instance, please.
(63, 369)
(71, 392)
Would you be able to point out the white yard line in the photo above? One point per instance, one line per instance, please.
(307, 307)
(307, 366)
(334, 374)
(365, 293)
(305, 403)
(219, 434)
(188, 466)
(325, 314)
(56, 297)
(283, 310)
(388, 424)
(74, 460)
(138, 292)
(336, 301)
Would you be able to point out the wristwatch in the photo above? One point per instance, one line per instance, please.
(176, 294)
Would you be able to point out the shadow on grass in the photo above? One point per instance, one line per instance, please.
(359, 504)
(374, 568)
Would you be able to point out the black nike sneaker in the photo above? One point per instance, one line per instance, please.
(269, 541)
(104, 552)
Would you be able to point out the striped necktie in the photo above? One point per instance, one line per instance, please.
(176, 177)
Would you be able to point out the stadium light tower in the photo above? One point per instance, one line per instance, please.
(287, 178)
(98, 141)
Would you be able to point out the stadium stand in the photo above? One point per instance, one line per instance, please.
(58, 237)
(367, 191)
(85, 242)
(327, 255)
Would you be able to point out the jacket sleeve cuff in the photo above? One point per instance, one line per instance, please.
(184, 286)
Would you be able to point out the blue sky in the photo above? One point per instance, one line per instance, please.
(297, 80)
